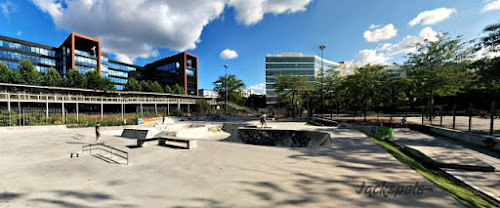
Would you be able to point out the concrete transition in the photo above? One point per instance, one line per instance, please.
(281, 138)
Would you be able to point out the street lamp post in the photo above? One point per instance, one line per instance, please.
(321, 47)
(227, 94)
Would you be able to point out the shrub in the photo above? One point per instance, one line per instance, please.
(177, 112)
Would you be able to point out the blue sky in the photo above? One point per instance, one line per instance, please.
(151, 29)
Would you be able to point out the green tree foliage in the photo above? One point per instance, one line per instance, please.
(28, 73)
(5, 73)
(96, 82)
(52, 78)
(290, 86)
(133, 85)
(233, 86)
(75, 79)
(155, 87)
(202, 107)
(178, 89)
(16, 77)
(492, 40)
(365, 88)
(169, 90)
(145, 86)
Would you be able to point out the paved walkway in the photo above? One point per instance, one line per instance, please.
(39, 173)
(448, 151)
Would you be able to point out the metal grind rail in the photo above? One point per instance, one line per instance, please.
(106, 148)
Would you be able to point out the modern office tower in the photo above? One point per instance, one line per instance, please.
(179, 69)
(84, 54)
(292, 63)
(395, 71)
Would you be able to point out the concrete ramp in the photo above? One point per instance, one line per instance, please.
(140, 133)
(281, 138)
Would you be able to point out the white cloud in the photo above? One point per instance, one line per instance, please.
(131, 28)
(6, 8)
(484, 53)
(408, 44)
(374, 26)
(388, 50)
(384, 33)
(370, 57)
(19, 33)
(250, 12)
(259, 89)
(228, 54)
(432, 16)
(492, 5)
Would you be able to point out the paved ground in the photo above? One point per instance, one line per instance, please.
(36, 171)
(448, 151)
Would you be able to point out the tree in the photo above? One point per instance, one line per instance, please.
(169, 90)
(133, 85)
(290, 85)
(202, 107)
(52, 78)
(145, 86)
(75, 79)
(439, 68)
(5, 73)
(155, 87)
(365, 88)
(28, 73)
(232, 84)
(96, 82)
(492, 41)
(178, 89)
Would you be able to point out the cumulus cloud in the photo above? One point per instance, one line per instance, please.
(408, 44)
(374, 26)
(131, 28)
(259, 89)
(388, 50)
(252, 11)
(432, 16)
(6, 8)
(384, 33)
(228, 54)
(368, 56)
(492, 5)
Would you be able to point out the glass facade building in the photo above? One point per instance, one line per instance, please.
(84, 54)
(296, 64)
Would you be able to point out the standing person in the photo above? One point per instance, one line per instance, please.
(403, 121)
(163, 120)
(125, 122)
(263, 121)
(97, 131)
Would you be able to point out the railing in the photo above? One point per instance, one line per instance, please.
(27, 97)
(111, 150)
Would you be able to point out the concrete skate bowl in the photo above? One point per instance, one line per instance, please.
(281, 138)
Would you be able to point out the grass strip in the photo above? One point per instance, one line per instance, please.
(461, 194)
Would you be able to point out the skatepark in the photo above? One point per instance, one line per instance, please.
(38, 170)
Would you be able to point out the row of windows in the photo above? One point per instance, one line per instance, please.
(121, 67)
(33, 59)
(294, 72)
(118, 80)
(83, 53)
(104, 60)
(104, 68)
(118, 73)
(104, 74)
(171, 67)
(119, 87)
(84, 69)
(289, 59)
(190, 72)
(85, 61)
(22, 47)
(282, 66)
(15, 65)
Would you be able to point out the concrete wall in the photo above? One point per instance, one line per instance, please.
(281, 138)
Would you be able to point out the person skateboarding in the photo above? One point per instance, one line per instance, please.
(125, 123)
(263, 121)
(97, 131)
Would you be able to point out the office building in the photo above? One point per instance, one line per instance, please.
(296, 64)
(395, 71)
(346, 68)
(84, 54)
(208, 93)
(179, 69)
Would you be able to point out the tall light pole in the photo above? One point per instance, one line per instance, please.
(321, 47)
(227, 90)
